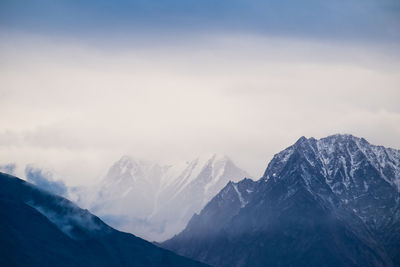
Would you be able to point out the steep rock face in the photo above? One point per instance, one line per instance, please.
(333, 201)
(187, 195)
(41, 229)
(155, 201)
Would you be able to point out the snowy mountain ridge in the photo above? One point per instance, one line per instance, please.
(156, 201)
(385, 160)
(336, 197)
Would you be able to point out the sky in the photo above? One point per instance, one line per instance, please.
(85, 82)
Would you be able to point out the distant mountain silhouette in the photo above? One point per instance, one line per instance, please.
(156, 201)
(38, 228)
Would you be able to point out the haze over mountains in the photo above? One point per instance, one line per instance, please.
(148, 199)
(38, 228)
(84, 83)
(156, 201)
(328, 202)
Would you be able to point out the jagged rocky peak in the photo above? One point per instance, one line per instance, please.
(220, 159)
(129, 169)
(339, 155)
(156, 201)
(129, 166)
(342, 170)
(239, 191)
(233, 197)
(214, 162)
(330, 201)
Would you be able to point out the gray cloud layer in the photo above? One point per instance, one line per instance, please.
(76, 109)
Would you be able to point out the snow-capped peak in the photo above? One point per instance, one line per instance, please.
(340, 152)
(162, 198)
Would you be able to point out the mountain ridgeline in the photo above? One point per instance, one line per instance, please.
(328, 202)
(38, 228)
(156, 201)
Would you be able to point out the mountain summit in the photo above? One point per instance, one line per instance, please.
(328, 202)
(156, 201)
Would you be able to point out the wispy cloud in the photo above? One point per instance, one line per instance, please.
(8, 168)
(44, 180)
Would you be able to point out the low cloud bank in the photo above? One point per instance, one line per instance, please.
(44, 180)
(8, 168)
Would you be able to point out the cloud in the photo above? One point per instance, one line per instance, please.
(76, 109)
(70, 219)
(44, 180)
(8, 168)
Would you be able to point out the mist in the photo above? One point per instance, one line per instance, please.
(76, 109)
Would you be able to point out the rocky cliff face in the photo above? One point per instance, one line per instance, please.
(333, 201)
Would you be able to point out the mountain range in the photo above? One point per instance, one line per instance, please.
(334, 201)
(328, 202)
(38, 228)
(156, 201)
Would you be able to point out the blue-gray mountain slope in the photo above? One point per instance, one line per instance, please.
(41, 229)
(328, 202)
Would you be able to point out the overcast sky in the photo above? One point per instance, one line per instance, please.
(84, 82)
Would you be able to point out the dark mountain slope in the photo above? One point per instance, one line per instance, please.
(41, 229)
(327, 202)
